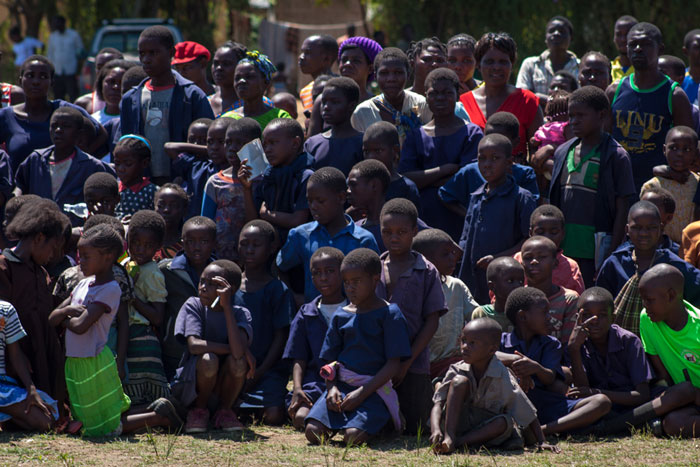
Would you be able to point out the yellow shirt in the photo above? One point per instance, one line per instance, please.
(683, 195)
(616, 70)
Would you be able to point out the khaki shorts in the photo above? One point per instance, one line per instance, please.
(472, 418)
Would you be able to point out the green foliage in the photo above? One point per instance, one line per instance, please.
(593, 20)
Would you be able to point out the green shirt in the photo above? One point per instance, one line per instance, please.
(488, 311)
(262, 119)
(678, 350)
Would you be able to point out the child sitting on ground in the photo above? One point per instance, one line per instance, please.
(224, 196)
(147, 381)
(501, 235)
(480, 399)
(326, 194)
(664, 202)
(681, 151)
(439, 248)
(271, 307)
(539, 258)
(535, 359)
(503, 275)
(341, 146)
(280, 197)
(101, 192)
(548, 221)
(132, 158)
(59, 171)
(171, 203)
(360, 400)
(181, 275)
(381, 142)
(413, 284)
(216, 333)
(308, 330)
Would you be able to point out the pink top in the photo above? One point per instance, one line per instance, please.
(551, 133)
(566, 274)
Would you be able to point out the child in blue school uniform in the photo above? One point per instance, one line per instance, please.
(413, 283)
(535, 359)
(341, 146)
(326, 193)
(308, 330)
(487, 233)
(437, 150)
(271, 307)
(60, 171)
(364, 345)
(162, 107)
(132, 157)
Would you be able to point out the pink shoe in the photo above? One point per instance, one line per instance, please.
(197, 421)
(226, 420)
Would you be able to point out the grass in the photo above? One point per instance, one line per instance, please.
(262, 445)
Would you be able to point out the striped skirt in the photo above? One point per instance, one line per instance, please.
(96, 395)
(146, 381)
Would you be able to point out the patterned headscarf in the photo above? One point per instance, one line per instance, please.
(261, 62)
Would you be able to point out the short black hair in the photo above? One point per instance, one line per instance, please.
(487, 327)
(102, 181)
(319, 85)
(38, 217)
(37, 58)
(383, 131)
(643, 207)
(496, 40)
(522, 298)
(109, 66)
(334, 253)
(205, 122)
(111, 51)
(500, 141)
(134, 146)
(239, 49)
(689, 37)
(267, 230)
(97, 219)
(547, 210)
(147, 219)
(364, 259)
(133, 77)
(160, 33)
(372, 169)
(401, 207)
(14, 204)
(439, 74)
(232, 273)
(684, 131)
(677, 64)
(201, 221)
(626, 19)
(505, 123)
(549, 244)
(291, 126)
(590, 96)
(104, 237)
(327, 43)
(573, 80)
(427, 240)
(391, 53)
(222, 122)
(462, 40)
(598, 55)
(247, 126)
(181, 193)
(346, 86)
(425, 43)
(70, 112)
(668, 202)
(497, 266)
(329, 178)
(564, 20)
(649, 29)
(599, 294)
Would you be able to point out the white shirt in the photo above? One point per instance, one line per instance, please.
(63, 51)
(23, 50)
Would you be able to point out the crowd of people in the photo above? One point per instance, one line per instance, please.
(496, 263)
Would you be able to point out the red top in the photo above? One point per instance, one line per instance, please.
(521, 103)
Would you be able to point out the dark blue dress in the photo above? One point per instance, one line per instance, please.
(341, 153)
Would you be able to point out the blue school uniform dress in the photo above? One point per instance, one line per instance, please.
(307, 238)
(459, 188)
(362, 342)
(341, 153)
(495, 221)
(306, 335)
(547, 351)
(283, 188)
(21, 136)
(271, 308)
(404, 187)
(421, 152)
(7, 179)
(34, 176)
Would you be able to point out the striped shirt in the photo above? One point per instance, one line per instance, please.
(11, 330)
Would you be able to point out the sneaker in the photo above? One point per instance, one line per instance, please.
(165, 408)
(197, 421)
(226, 420)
